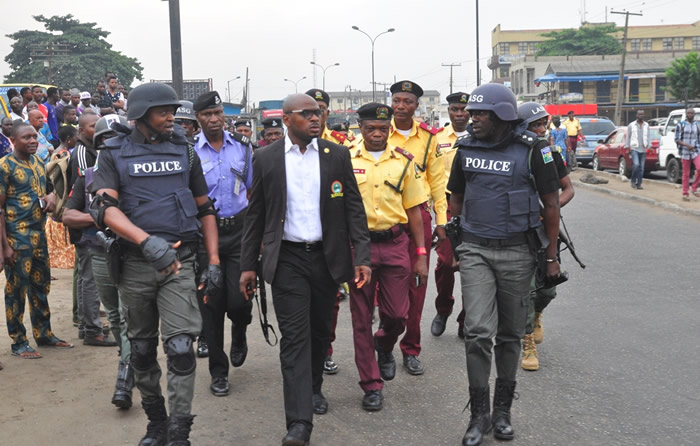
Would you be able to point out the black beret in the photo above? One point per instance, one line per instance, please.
(207, 100)
(272, 123)
(458, 98)
(241, 122)
(406, 87)
(375, 112)
(319, 95)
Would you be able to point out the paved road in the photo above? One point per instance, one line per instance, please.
(618, 365)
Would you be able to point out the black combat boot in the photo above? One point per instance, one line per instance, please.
(157, 422)
(125, 382)
(179, 430)
(502, 399)
(480, 422)
(239, 345)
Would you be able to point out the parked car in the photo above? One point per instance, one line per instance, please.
(611, 153)
(668, 152)
(658, 122)
(593, 129)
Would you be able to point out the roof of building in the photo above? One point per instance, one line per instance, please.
(603, 67)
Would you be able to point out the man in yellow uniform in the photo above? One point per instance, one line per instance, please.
(573, 131)
(444, 271)
(421, 141)
(392, 195)
(334, 136)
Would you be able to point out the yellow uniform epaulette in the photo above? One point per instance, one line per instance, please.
(404, 152)
(429, 128)
(338, 136)
(351, 136)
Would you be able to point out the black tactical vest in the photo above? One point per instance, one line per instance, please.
(500, 200)
(154, 189)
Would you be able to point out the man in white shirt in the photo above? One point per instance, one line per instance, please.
(637, 142)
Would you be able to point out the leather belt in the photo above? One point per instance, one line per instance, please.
(308, 247)
(515, 240)
(385, 236)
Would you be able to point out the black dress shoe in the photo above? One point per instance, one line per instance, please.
(438, 326)
(219, 386)
(297, 435)
(387, 364)
(239, 346)
(329, 366)
(320, 403)
(202, 347)
(413, 365)
(373, 401)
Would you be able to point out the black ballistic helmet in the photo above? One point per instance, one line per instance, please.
(531, 112)
(495, 97)
(147, 96)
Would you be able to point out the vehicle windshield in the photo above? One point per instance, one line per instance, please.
(654, 134)
(598, 127)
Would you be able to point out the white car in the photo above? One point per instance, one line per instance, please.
(668, 151)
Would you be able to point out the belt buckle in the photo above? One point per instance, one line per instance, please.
(307, 247)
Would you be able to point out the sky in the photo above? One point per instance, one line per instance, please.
(276, 39)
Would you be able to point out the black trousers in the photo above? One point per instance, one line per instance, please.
(303, 293)
(231, 303)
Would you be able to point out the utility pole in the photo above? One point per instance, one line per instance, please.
(176, 46)
(247, 89)
(47, 52)
(384, 90)
(451, 65)
(621, 77)
(478, 70)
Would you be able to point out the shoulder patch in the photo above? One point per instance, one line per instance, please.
(351, 136)
(429, 128)
(240, 138)
(338, 136)
(547, 155)
(404, 152)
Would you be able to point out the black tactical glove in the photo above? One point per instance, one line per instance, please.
(159, 252)
(213, 281)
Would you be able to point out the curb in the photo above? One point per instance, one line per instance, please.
(647, 200)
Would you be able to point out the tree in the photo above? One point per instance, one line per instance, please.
(68, 54)
(683, 78)
(586, 40)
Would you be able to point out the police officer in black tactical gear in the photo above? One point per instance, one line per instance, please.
(151, 192)
(498, 177)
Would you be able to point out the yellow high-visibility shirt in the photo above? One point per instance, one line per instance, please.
(385, 206)
(572, 127)
(446, 141)
(422, 143)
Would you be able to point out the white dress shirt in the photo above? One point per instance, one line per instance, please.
(302, 221)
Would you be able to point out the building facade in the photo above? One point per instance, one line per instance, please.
(509, 46)
(191, 88)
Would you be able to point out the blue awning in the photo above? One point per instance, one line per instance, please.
(579, 78)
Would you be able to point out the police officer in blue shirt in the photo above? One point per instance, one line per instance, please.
(151, 192)
(227, 164)
(499, 175)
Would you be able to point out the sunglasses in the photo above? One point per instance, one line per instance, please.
(307, 114)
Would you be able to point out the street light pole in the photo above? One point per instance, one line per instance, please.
(296, 90)
(372, 40)
(324, 70)
(228, 88)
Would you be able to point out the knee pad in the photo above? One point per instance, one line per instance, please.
(180, 352)
(143, 353)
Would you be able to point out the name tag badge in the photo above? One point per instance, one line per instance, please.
(482, 165)
(237, 186)
(155, 168)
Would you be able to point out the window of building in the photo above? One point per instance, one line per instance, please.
(635, 45)
(667, 43)
(634, 90)
(602, 91)
(532, 48)
(646, 44)
(503, 48)
(576, 87)
(660, 89)
(678, 43)
(522, 47)
(696, 43)
(530, 80)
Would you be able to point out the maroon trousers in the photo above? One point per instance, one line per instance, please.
(410, 343)
(391, 273)
(445, 279)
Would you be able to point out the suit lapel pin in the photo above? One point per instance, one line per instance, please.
(326, 150)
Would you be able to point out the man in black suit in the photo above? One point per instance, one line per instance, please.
(306, 209)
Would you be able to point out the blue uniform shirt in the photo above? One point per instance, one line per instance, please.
(226, 173)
